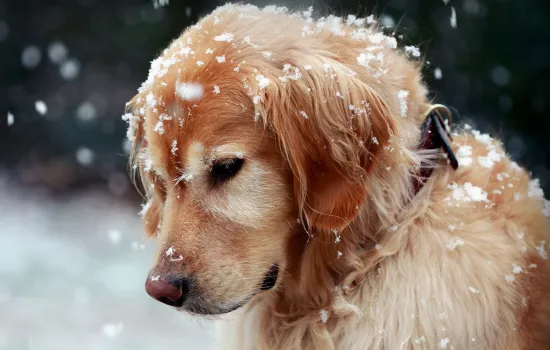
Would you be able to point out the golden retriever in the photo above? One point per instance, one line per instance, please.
(280, 158)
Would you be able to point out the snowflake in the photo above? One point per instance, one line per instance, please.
(174, 148)
(324, 316)
(220, 59)
(452, 20)
(541, 250)
(375, 141)
(464, 154)
(216, 89)
(41, 107)
(443, 343)
(438, 74)
(160, 3)
(84, 156)
(516, 269)
(304, 114)
(509, 278)
(115, 236)
(455, 242)
(473, 290)
(534, 189)
(228, 37)
(189, 91)
(10, 119)
(413, 51)
(263, 82)
(112, 329)
(402, 96)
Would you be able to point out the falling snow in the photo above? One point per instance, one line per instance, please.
(112, 329)
(438, 74)
(10, 119)
(452, 20)
(41, 107)
(84, 156)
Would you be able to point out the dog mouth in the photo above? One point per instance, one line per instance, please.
(270, 278)
(198, 306)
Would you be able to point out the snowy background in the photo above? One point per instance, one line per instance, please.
(73, 259)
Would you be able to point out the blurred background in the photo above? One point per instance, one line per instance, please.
(73, 259)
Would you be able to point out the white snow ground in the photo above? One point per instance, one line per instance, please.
(69, 280)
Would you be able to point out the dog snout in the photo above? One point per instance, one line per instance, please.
(170, 290)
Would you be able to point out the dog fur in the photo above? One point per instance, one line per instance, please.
(326, 115)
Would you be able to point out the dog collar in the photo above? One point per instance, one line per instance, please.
(435, 134)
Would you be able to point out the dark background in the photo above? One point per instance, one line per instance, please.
(495, 66)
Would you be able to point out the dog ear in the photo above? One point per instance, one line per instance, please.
(332, 127)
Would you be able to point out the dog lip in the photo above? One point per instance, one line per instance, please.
(270, 278)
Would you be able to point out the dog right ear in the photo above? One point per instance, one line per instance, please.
(332, 131)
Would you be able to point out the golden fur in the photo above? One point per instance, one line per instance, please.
(327, 116)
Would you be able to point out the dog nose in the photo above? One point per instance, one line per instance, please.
(167, 289)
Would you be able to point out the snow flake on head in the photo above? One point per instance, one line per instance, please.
(465, 193)
(132, 125)
(402, 96)
(174, 147)
(216, 89)
(412, 51)
(443, 343)
(454, 243)
(542, 250)
(220, 59)
(304, 114)
(473, 290)
(324, 316)
(464, 155)
(535, 190)
(263, 82)
(227, 37)
(189, 91)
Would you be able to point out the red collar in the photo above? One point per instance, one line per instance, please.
(435, 135)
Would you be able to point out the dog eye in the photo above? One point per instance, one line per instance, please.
(225, 169)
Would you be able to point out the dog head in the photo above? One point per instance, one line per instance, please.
(254, 131)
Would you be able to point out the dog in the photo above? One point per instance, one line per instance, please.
(298, 177)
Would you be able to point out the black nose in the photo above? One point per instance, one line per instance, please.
(167, 289)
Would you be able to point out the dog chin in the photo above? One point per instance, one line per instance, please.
(201, 308)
